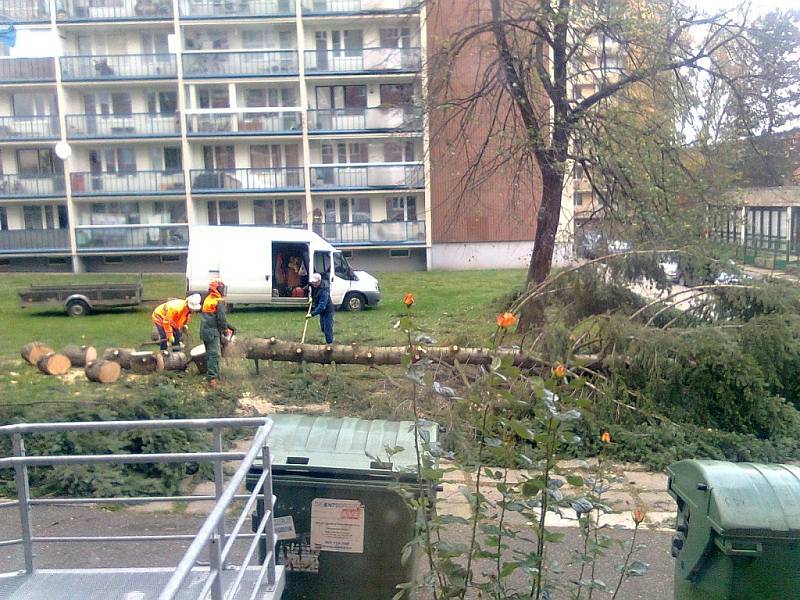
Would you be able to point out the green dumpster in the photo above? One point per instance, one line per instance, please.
(340, 520)
(737, 530)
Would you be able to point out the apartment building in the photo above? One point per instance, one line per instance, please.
(168, 113)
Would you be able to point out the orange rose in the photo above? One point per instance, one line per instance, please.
(408, 299)
(560, 370)
(506, 320)
(605, 438)
(638, 516)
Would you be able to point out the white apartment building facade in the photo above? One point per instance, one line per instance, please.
(169, 113)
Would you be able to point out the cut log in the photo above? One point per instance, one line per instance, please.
(79, 356)
(53, 364)
(103, 371)
(198, 356)
(33, 351)
(146, 362)
(175, 361)
(121, 356)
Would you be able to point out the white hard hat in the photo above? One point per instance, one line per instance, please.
(194, 302)
(315, 278)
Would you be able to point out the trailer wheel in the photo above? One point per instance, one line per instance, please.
(354, 302)
(77, 308)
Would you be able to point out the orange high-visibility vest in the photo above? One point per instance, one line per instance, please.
(170, 315)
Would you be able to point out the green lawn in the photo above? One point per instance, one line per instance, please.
(453, 307)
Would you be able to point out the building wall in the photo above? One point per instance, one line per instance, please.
(377, 261)
(133, 264)
(36, 264)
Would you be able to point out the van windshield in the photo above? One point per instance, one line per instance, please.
(341, 267)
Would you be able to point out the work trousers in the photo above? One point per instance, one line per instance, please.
(326, 325)
(164, 342)
(212, 341)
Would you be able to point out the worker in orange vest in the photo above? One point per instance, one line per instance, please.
(172, 316)
(213, 328)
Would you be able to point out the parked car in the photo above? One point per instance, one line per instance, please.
(690, 273)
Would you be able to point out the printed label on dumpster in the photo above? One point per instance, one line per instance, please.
(298, 555)
(284, 528)
(337, 525)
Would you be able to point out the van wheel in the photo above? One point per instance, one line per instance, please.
(77, 308)
(354, 302)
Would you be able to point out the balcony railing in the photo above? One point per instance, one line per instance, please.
(29, 128)
(365, 119)
(367, 176)
(363, 60)
(252, 180)
(270, 63)
(26, 11)
(120, 184)
(244, 123)
(118, 66)
(18, 70)
(203, 9)
(326, 7)
(31, 185)
(132, 237)
(137, 125)
(24, 241)
(387, 232)
(139, 10)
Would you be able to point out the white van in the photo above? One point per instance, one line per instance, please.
(270, 265)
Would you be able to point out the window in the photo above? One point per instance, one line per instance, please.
(341, 96)
(32, 216)
(361, 210)
(170, 258)
(113, 260)
(126, 160)
(399, 254)
(353, 42)
(262, 212)
(173, 162)
(213, 97)
(266, 157)
(322, 263)
(3, 218)
(340, 266)
(35, 161)
(395, 38)
(253, 38)
(218, 157)
(58, 260)
(170, 212)
(26, 105)
(117, 213)
(359, 153)
(398, 151)
(223, 212)
(121, 103)
(401, 208)
(165, 103)
(397, 94)
(347, 253)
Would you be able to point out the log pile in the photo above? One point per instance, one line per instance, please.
(53, 364)
(121, 356)
(33, 351)
(79, 356)
(103, 371)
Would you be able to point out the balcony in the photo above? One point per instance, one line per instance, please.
(136, 238)
(259, 122)
(363, 60)
(118, 67)
(341, 120)
(27, 70)
(270, 63)
(354, 7)
(137, 125)
(394, 232)
(31, 185)
(123, 184)
(286, 179)
(368, 176)
(29, 128)
(124, 10)
(32, 241)
(26, 11)
(221, 9)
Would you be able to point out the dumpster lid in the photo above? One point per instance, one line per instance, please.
(346, 445)
(742, 499)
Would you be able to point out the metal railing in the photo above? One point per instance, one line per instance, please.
(366, 176)
(373, 232)
(198, 9)
(220, 579)
(132, 237)
(253, 63)
(29, 127)
(253, 180)
(246, 122)
(139, 10)
(137, 182)
(18, 70)
(363, 60)
(25, 241)
(395, 118)
(26, 11)
(121, 126)
(15, 186)
(325, 7)
(118, 66)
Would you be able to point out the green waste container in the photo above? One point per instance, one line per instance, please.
(339, 517)
(737, 530)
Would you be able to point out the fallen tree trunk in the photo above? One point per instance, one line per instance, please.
(79, 356)
(121, 356)
(103, 371)
(144, 363)
(175, 361)
(53, 364)
(33, 351)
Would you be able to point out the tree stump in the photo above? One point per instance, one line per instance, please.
(198, 356)
(146, 362)
(103, 371)
(79, 356)
(53, 364)
(33, 351)
(175, 361)
(121, 356)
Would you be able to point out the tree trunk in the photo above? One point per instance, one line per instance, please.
(175, 361)
(103, 371)
(79, 356)
(121, 356)
(53, 364)
(198, 357)
(33, 351)
(143, 363)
